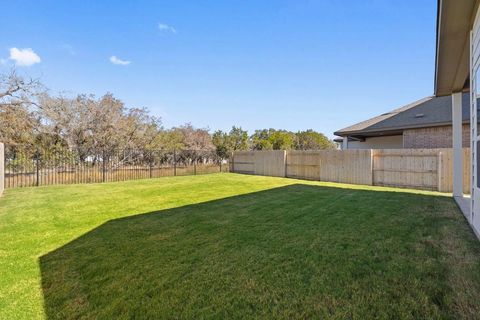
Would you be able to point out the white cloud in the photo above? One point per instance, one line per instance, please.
(115, 60)
(24, 57)
(166, 28)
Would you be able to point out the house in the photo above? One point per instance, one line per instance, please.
(426, 123)
(457, 70)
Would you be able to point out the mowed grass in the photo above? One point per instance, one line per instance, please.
(234, 246)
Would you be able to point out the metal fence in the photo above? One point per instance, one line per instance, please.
(29, 166)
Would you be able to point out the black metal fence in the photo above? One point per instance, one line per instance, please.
(29, 166)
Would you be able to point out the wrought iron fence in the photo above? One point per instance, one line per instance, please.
(30, 166)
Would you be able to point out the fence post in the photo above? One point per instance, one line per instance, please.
(37, 167)
(439, 171)
(195, 164)
(150, 164)
(372, 165)
(233, 161)
(174, 162)
(2, 168)
(103, 166)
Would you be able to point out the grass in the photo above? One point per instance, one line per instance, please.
(234, 246)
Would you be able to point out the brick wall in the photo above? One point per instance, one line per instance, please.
(435, 137)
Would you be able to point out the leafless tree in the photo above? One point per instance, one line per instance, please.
(88, 124)
(19, 120)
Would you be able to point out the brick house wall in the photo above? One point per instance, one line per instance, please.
(434, 137)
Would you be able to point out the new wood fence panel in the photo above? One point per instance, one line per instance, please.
(429, 169)
(303, 165)
(270, 163)
(446, 180)
(445, 183)
(350, 166)
(265, 163)
(244, 162)
(412, 168)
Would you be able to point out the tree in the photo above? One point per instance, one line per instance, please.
(195, 138)
(260, 140)
(171, 139)
(238, 139)
(140, 130)
(271, 139)
(312, 140)
(87, 124)
(225, 143)
(76, 121)
(221, 143)
(19, 120)
(282, 140)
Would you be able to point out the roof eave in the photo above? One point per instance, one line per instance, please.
(454, 22)
(394, 129)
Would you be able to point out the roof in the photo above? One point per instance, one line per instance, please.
(454, 21)
(427, 112)
(340, 139)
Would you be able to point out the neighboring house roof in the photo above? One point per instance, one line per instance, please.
(427, 112)
(350, 138)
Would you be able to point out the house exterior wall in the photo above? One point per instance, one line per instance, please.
(474, 217)
(434, 137)
(385, 142)
(420, 138)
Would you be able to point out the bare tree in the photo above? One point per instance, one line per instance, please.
(19, 120)
(196, 138)
(88, 124)
(15, 90)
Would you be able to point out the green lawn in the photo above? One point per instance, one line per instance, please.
(234, 246)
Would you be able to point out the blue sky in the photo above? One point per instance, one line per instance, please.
(256, 64)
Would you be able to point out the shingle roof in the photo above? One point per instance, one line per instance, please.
(426, 112)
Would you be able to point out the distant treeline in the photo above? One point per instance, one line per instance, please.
(269, 139)
(31, 116)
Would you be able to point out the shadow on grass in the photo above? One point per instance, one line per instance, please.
(298, 251)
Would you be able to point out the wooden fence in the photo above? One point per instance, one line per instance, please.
(428, 169)
(350, 166)
(263, 163)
